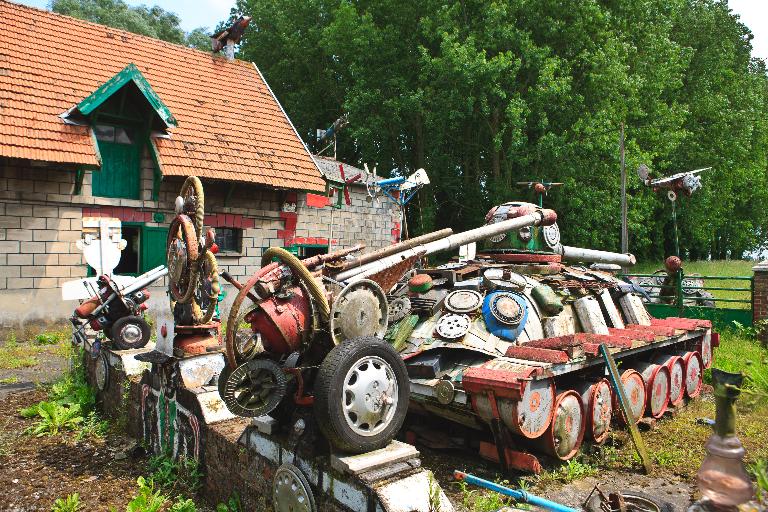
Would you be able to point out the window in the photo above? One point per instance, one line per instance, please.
(117, 134)
(144, 250)
(129, 259)
(307, 251)
(229, 239)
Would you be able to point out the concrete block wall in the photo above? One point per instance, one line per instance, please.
(41, 219)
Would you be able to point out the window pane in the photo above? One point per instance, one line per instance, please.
(123, 135)
(228, 239)
(104, 132)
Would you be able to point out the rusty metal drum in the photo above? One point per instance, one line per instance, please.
(283, 323)
(566, 432)
(676, 368)
(597, 401)
(705, 349)
(528, 417)
(693, 373)
(634, 389)
(657, 381)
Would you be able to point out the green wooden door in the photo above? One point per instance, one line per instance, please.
(153, 240)
(120, 172)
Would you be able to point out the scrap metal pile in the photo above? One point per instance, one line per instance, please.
(506, 342)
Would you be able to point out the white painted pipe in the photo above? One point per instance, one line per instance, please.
(594, 256)
(443, 244)
(145, 280)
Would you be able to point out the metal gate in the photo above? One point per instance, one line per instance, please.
(722, 299)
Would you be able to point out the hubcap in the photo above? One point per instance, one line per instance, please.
(370, 396)
(131, 333)
(177, 259)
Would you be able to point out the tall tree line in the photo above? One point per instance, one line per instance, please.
(487, 93)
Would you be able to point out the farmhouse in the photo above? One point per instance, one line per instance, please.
(99, 122)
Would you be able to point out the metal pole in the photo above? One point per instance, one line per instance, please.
(516, 494)
(624, 231)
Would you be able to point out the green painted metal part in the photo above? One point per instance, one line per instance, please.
(153, 240)
(618, 388)
(129, 74)
(120, 171)
(721, 318)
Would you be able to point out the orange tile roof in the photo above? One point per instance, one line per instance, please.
(231, 127)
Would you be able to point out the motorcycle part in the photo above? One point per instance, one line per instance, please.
(463, 301)
(193, 202)
(300, 271)
(551, 236)
(283, 322)
(206, 296)
(182, 252)
(361, 395)
(254, 388)
(445, 391)
(291, 491)
(359, 310)
(101, 372)
(399, 308)
(505, 314)
(452, 326)
(501, 236)
(130, 332)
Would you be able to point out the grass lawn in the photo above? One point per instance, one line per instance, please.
(727, 268)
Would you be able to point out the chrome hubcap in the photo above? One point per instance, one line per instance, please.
(131, 333)
(370, 396)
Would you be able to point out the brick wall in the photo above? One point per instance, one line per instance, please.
(41, 219)
(760, 297)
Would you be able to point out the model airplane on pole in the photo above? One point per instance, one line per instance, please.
(686, 182)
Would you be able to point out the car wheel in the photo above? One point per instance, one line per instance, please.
(130, 332)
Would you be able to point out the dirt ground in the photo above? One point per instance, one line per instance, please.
(34, 471)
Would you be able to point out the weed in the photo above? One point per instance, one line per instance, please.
(169, 473)
(739, 351)
(664, 458)
(9, 380)
(14, 355)
(232, 505)
(759, 470)
(69, 504)
(48, 338)
(54, 417)
(572, 470)
(183, 505)
(479, 500)
(434, 493)
(148, 499)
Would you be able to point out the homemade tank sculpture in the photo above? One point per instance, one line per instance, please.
(506, 343)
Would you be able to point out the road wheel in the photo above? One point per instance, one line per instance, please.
(130, 332)
(361, 394)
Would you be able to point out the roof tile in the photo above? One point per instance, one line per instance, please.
(230, 125)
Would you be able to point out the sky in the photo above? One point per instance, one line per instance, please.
(207, 13)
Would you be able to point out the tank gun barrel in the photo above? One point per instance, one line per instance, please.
(394, 249)
(593, 256)
(449, 242)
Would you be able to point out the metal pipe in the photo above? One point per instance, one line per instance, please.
(335, 255)
(446, 243)
(516, 494)
(144, 280)
(593, 256)
(394, 249)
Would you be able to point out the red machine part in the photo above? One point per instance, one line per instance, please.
(513, 257)
(676, 369)
(520, 461)
(282, 323)
(657, 381)
(596, 397)
(693, 373)
(197, 343)
(634, 389)
(514, 395)
(705, 349)
(566, 432)
(673, 264)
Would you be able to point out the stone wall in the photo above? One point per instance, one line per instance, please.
(41, 219)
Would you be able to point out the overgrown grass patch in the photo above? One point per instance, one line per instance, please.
(739, 351)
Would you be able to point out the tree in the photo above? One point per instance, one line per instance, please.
(148, 21)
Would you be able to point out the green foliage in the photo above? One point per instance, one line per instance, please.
(48, 338)
(481, 500)
(168, 473)
(70, 406)
(148, 21)
(759, 471)
(183, 505)
(484, 94)
(147, 499)
(232, 505)
(739, 351)
(69, 504)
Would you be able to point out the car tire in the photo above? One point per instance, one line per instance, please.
(361, 395)
(130, 332)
